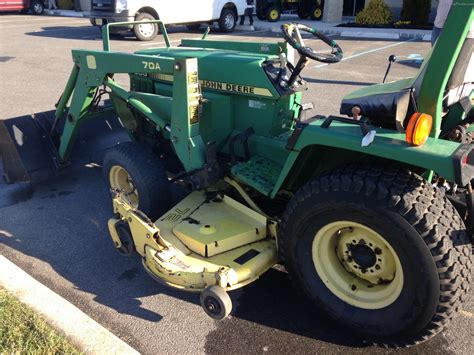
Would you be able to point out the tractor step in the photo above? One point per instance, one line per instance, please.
(259, 173)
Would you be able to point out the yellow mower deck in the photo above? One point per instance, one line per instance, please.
(201, 241)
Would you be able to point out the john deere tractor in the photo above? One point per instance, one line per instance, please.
(371, 211)
(271, 10)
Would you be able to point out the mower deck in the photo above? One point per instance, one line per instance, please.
(206, 239)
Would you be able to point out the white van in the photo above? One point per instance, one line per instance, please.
(190, 12)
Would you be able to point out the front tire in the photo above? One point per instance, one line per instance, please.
(140, 178)
(145, 32)
(337, 230)
(37, 7)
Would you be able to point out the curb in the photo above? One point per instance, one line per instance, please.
(79, 328)
(343, 32)
(66, 13)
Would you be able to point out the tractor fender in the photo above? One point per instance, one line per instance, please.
(446, 158)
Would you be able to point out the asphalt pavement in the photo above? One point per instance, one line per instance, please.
(57, 231)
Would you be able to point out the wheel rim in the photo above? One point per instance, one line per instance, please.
(146, 29)
(317, 13)
(212, 306)
(37, 8)
(274, 14)
(121, 180)
(229, 21)
(357, 265)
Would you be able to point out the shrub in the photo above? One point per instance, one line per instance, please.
(376, 12)
(416, 11)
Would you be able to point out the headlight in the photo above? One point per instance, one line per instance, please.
(120, 6)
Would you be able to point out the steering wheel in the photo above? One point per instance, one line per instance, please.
(292, 34)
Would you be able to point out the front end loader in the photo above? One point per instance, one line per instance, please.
(370, 211)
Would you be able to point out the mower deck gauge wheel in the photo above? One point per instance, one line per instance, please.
(123, 230)
(216, 302)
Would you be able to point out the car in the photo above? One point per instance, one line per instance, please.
(36, 6)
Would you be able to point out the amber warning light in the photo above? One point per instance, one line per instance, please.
(419, 128)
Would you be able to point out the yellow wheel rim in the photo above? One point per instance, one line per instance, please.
(317, 13)
(122, 181)
(274, 14)
(357, 265)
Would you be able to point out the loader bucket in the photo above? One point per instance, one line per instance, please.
(27, 149)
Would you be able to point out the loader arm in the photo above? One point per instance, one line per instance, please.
(178, 114)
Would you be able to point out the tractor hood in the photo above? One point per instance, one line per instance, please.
(226, 70)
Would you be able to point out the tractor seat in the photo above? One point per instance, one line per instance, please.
(389, 104)
(382, 102)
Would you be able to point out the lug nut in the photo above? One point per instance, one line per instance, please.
(362, 242)
(377, 267)
(377, 251)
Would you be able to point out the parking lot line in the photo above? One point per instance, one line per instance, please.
(466, 314)
(369, 52)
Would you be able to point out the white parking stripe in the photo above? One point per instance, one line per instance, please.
(369, 52)
(466, 314)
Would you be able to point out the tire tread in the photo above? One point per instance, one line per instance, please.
(425, 208)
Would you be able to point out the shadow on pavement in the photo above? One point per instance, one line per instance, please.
(65, 225)
(82, 33)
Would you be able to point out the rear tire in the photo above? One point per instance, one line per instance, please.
(416, 223)
(228, 20)
(316, 12)
(145, 32)
(148, 182)
(273, 14)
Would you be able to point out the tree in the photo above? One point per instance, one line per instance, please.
(376, 12)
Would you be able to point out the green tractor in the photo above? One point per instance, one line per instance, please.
(371, 212)
(271, 10)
